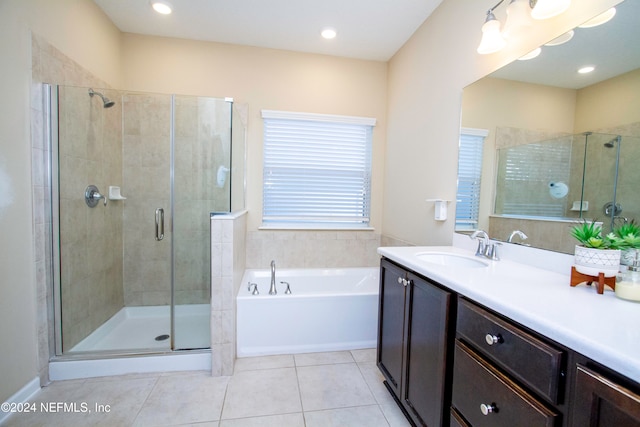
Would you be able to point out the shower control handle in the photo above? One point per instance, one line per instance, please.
(92, 196)
(159, 224)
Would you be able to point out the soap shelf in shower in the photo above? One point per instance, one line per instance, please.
(114, 193)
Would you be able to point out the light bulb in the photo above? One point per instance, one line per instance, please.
(492, 41)
(545, 9)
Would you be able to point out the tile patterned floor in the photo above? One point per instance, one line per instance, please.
(337, 389)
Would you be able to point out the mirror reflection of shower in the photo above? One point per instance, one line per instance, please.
(106, 101)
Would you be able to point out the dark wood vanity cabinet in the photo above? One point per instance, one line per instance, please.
(413, 343)
(603, 401)
(503, 375)
(449, 361)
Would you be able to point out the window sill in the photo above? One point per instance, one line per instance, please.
(310, 227)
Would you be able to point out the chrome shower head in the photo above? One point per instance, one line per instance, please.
(611, 144)
(106, 101)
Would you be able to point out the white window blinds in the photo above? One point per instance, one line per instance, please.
(317, 169)
(469, 173)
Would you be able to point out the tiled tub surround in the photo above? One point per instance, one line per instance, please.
(312, 249)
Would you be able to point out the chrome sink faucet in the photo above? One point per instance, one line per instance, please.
(272, 289)
(518, 233)
(486, 248)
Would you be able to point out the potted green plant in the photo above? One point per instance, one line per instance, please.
(596, 253)
(628, 237)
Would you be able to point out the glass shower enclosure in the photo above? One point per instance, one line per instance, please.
(135, 178)
(583, 176)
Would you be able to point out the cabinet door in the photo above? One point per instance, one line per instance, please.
(426, 351)
(600, 402)
(391, 324)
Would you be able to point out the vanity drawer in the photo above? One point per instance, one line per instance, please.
(486, 397)
(529, 359)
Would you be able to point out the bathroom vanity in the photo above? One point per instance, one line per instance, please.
(465, 341)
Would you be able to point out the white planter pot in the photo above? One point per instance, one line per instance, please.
(595, 261)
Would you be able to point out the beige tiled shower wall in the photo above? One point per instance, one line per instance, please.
(48, 66)
(90, 238)
(202, 138)
(146, 161)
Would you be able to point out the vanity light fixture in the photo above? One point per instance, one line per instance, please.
(545, 9)
(600, 19)
(492, 40)
(519, 19)
(161, 6)
(328, 33)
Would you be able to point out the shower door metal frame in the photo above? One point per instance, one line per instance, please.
(51, 115)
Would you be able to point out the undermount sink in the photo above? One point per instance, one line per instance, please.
(450, 260)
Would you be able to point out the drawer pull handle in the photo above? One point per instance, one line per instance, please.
(488, 409)
(493, 339)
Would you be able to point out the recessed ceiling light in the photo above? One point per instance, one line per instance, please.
(161, 6)
(533, 54)
(329, 33)
(587, 69)
(600, 19)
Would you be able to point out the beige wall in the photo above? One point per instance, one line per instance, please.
(611, 103)
(78, 28)
(426, 79)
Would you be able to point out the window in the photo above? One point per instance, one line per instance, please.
(469, 173)
(317, 170)
(527, 171)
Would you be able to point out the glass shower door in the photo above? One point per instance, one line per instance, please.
(201, 185)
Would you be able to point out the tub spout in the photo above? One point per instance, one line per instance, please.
(272, 289)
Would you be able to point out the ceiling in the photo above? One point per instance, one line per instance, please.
(613, 48)
(367, 29)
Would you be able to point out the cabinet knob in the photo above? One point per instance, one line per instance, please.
(492, 339)
(400, 280)
(488, 409)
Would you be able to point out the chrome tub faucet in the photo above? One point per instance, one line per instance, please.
(272, 289)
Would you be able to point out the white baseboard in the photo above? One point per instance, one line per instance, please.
(24, 394)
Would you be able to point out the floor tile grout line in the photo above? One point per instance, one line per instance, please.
(373, 394)
(144, 401)
(304, 418)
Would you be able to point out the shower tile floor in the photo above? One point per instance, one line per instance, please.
(314, 390)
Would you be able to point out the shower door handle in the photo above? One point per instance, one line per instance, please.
(159, 224)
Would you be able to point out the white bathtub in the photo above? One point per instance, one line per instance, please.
(327, 310)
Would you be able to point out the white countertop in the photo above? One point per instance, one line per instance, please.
(601, 327)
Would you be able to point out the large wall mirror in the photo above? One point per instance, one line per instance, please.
(561, 145)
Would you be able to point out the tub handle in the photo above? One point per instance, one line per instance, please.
(255, 288)
(288, 291)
